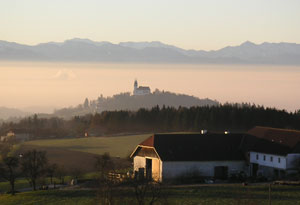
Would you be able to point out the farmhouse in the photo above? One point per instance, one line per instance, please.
(167, 156)
(280, 161)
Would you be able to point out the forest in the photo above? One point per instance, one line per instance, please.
(232, 117)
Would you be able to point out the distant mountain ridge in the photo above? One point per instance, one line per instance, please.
(85, 50)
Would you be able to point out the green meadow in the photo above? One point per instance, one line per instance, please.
(207, 194)
(119, 146)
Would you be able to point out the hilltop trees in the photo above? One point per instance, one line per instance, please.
(104, 164)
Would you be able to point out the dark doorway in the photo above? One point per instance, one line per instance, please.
(221, 172)
(276, 173)
(149, 169)
(141, 174)
(254, 170)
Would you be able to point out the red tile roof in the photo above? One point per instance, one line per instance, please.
(149, 142)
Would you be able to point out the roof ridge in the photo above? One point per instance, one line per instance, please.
(273, 128)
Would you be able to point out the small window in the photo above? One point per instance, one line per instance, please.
(271, 159)
(257, 157)
(264, 157)
(278, 159)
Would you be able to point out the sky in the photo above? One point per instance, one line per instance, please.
(190, 24)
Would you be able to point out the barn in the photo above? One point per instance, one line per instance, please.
(219, 155)
(279, 156)
(167, 156)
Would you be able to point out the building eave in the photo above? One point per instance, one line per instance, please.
(132, 154)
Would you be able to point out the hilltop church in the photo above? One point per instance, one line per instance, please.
(141, 90)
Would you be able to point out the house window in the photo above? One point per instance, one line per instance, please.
(264, 157)
(271, 159)
(278, 159)
(257, 157)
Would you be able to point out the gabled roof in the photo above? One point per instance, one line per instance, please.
(282, 136)
(209, 147)
(197, 147)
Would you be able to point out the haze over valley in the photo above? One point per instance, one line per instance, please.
(41, 87)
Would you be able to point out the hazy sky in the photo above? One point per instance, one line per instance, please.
(194, 24)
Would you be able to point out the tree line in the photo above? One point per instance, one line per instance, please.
(233, 117)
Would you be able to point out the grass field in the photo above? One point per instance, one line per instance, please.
(19, 184)
(68, 159)
(222, 194)
(120, 146)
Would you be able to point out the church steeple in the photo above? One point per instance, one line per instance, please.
(135, 84)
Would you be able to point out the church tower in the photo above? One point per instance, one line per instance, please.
(135, 84)
(135, 87)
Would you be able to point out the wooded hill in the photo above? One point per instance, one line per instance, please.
(126, 101)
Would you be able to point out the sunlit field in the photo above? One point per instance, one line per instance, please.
(120, 146)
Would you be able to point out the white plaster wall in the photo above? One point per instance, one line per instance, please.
(207, 168)
(292, 161)
(268, 162)
(139, 162)
(141, 92)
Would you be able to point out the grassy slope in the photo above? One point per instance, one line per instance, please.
(120, 146)
(50, 197)
(229, 194)
(69, 159)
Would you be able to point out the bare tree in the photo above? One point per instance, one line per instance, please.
(155, 192)
(8, 171)
(61, 174)
(152, 189)
(33, 165)
(51, 169)
(107, 185)
(106, 191)
(104, 164)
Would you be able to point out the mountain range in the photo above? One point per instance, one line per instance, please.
(85, 50)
